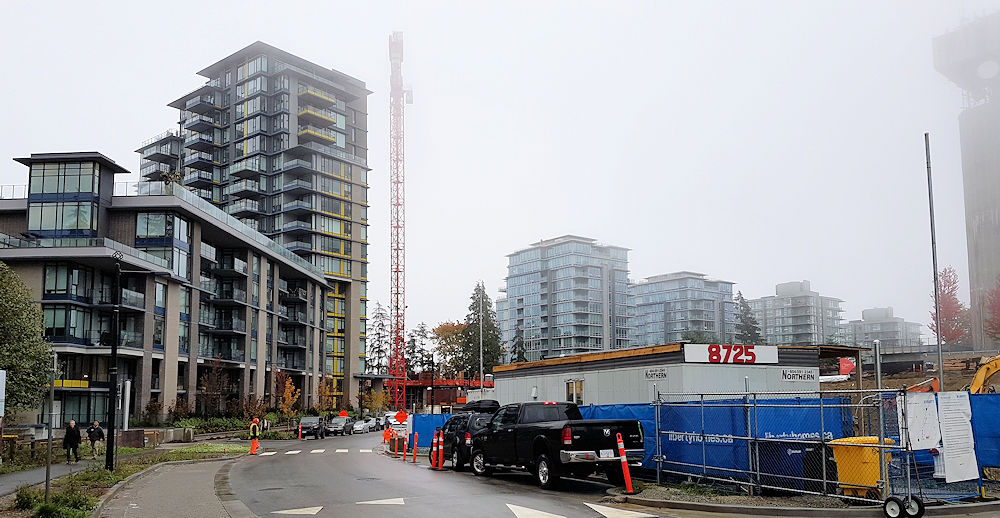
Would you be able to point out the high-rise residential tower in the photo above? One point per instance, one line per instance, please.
(970, 57)
(280, 143)
(566, 295)
(796, 315)
(895, 335)
(668, 306)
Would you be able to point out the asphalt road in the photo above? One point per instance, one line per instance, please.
(339, 482)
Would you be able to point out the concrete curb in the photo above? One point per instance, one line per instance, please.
(819, 512)
(233, 506)
(115, 489)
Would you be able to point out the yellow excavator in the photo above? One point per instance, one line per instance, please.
(987, 369)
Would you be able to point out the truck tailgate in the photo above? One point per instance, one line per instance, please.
(598, 434)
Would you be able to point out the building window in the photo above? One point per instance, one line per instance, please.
(66, 178)
(183, 337)
(62, 216)
(185, 300)
(158, 331)
(161, 295)
(574, 391)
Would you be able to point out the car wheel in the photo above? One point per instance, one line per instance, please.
(478, 464)
(546, 472)
(456, 460)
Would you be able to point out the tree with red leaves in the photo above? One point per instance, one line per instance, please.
(954, 315)
(992, 316)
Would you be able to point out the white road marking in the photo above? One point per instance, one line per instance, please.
(525, 512)
(293, 452)
(268, 453)
(341, 451)
(304, 510)
(365, 451)
(611, 512)
(386, 501)
(318, 451)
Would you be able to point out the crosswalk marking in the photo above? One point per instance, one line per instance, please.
(611, 512)
(268, 453)
(527, 512)
(318, 451)
(293, 452)
(341, 451)
(384, 501)
(304, 510)
(364, 451)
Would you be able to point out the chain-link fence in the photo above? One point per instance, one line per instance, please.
(838, 443)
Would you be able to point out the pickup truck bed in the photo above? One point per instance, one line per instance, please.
(551, 439)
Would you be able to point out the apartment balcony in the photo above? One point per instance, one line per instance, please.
(299, 186)
(251, 167)
(201, 142)
(318, 134)
(290, 365)
(299, 246)
(244, 208)
(294, 295)
(198, 179)
(208, 252)
(252, 223)
(297, 165)
(130, 300)
(231, 266)
(229, 326)
(200, 160)
(297, 227)
(230, 296)
(202, 104)
(153, 170)
(321, 117)
(227, 354)
(315, 96)
(283, 312)
(297, 207)
(200, 123)
(244, 189)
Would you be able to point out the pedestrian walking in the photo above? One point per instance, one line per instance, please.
(95, 434)
(254, 436)
(71, 441)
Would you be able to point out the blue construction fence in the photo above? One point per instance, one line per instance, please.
(779, 420)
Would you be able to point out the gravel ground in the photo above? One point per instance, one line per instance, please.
(699, 494)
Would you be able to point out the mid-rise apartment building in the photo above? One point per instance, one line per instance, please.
(668, 306)
(197, 288)
(796, 315)
(280, 143)
(895, 334)
(567, 295)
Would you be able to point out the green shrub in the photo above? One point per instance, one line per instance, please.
(28, 498)
(51, 510)
(270, 435)
(74, 496)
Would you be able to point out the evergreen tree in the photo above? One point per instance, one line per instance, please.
(416, 350)
(481, 310)
(517, 348)
(24, 353)
(747, 327)
(378, 341)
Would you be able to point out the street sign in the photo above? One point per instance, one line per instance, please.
(401, 417)
(343, 413)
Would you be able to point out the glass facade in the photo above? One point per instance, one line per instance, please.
(670, 306)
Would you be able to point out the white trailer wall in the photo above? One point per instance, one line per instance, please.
(635, 384)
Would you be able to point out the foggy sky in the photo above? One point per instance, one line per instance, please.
(757, 142)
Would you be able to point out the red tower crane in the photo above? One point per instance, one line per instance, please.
(398, 96)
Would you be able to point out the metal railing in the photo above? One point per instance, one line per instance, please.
(13, 192)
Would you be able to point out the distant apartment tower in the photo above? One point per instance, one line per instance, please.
(895, 335)
(669, 305)
(796, 315)
(970, 57)
(280, 144)
(567, 295)
(198, 292)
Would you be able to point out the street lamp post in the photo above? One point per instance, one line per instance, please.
(482, 295)
(109, 455)
(48, 440)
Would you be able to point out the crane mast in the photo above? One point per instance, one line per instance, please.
(397, 98)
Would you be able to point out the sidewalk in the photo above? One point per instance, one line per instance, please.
(170, 490)
(11, 481)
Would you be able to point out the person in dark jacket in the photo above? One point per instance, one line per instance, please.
(95, 434)
(71, 441)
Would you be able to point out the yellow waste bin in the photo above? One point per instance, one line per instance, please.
(857, 466)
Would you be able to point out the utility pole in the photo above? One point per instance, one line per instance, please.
(482, 295)
(48, 440)
(937, 303)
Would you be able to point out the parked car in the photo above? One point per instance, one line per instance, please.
(458, 432)
(373, 424)
(550, 439)
(315, 426)
(340, 426)
(361, 426)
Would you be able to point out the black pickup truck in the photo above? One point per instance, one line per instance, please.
(551, 439)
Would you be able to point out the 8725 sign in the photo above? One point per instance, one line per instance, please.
(725, 353)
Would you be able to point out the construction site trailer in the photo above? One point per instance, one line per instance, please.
(628, 375)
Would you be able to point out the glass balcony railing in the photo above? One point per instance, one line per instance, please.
(243, 206)
(194, 174)
(297, 225)
(297, 204)
(157, 138)
(208, 251)
(209, 284)
(332, 151)
(13, 192)
(242, 186)
(7, 241)
(322, 132)
(133, 298)
(232, 294)
(131, 339)
(312, 90)
(162, 189)
(233, 263)
(235, 324)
